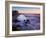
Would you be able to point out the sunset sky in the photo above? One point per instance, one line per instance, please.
(27, 10)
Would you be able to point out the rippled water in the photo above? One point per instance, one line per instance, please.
(32, 22)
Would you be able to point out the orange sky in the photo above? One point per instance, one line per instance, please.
(34, 11)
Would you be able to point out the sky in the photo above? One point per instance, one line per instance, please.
(24, 8)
